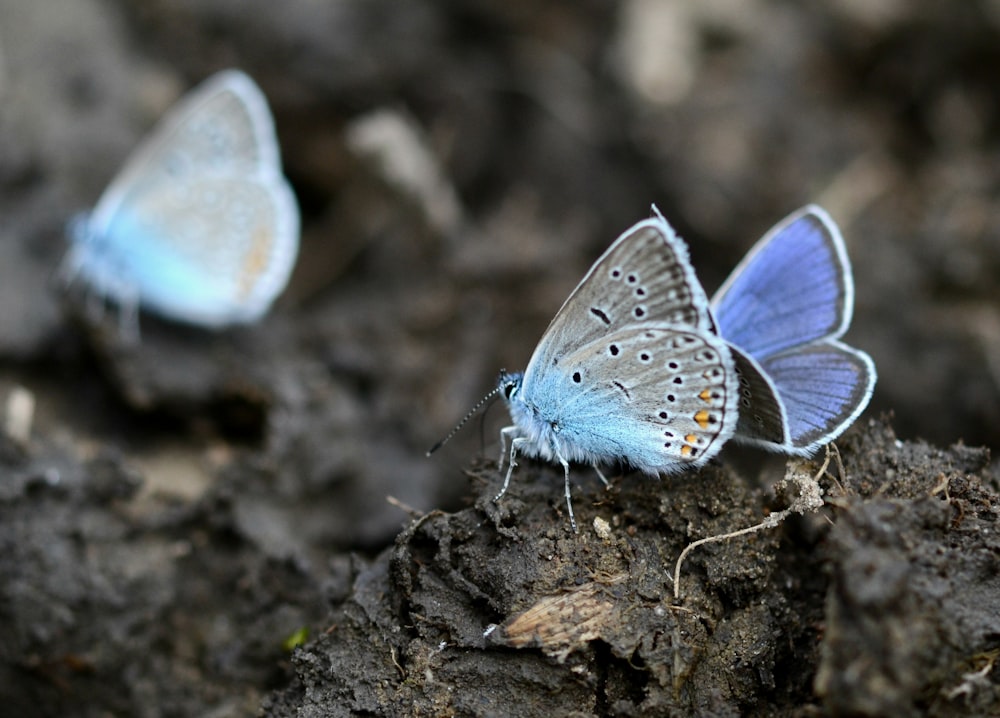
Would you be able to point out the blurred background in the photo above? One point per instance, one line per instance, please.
(459, 165)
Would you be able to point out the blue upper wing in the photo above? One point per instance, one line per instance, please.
(793, 288)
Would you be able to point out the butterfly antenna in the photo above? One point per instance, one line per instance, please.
(472, 412)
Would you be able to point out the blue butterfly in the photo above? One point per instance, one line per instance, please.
(639, 367)
(200, 226)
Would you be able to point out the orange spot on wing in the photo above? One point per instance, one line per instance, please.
(685, 450)
(690, 438)
(702, 418)
(256, 259)
(705, 395)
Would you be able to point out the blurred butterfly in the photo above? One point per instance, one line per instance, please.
(200, 226)
(639, 367)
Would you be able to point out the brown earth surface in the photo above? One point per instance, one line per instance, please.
(245, 523)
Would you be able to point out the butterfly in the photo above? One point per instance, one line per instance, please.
(639, 367)
(200, 226)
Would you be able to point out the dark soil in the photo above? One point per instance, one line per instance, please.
(245, 523)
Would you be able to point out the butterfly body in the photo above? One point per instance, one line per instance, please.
(643, 414)
(200, 226)
(638, 367)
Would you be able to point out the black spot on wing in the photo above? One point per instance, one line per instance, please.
(600, 315)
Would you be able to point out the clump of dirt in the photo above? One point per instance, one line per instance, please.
(501, 609)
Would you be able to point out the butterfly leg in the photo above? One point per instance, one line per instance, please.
(128, 317)
(95, 305)
(504, 433)
(602, 477)
(69, 268)
(515, 442)
(569, 500)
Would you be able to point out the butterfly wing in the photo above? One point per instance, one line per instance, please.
(223, 126)
(658, 396)
(644, 276)
(763, 418)
(824, 387)
(212, 252)
(793, 287)
(781, 310)
(200, 223)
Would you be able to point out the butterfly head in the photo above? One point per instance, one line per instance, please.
(530, 421)
(79, 229)
(509, 384)
(84, 249)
